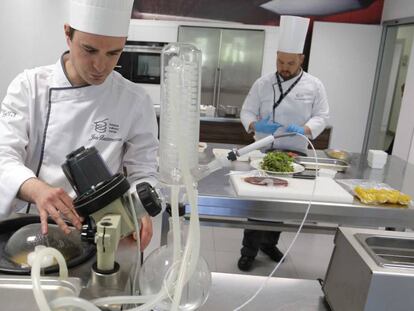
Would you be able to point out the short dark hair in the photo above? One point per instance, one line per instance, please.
(71, 32)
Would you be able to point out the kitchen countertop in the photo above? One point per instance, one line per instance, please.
(220, 205)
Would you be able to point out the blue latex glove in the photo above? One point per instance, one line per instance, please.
(266, 126)
(293, 128)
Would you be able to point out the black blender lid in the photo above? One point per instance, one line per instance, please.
(9, 226)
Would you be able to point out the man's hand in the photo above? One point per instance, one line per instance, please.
(266, 126)
(293, 128)
(53, 202)
(145, 232)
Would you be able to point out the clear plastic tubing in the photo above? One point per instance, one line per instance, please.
(38, 293)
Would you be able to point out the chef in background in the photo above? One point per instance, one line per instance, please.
(50, 111)
(289, 100)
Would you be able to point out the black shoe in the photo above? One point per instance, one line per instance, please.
(274, 253)
(245, 263)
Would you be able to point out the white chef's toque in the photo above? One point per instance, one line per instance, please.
(101, 17)
(293, 30)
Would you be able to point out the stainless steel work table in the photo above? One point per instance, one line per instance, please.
(219, 205)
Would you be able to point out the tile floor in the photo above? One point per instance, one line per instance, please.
(308, 258)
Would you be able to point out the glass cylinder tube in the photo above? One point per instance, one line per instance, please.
(180, 109)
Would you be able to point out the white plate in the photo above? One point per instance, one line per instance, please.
(297, 168)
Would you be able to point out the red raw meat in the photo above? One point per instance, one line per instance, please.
(265, 181)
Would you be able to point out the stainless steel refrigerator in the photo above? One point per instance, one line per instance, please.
(232, 61)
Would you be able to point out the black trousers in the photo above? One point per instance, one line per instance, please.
(253, 240)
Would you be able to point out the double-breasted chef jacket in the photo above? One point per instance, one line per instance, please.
(43, 118)
(305, 104)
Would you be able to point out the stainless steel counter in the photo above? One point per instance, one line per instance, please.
(219, 204)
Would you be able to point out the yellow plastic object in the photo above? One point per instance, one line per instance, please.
(373, 195)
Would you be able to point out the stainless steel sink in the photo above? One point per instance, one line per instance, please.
(371, 270)
(397, 252)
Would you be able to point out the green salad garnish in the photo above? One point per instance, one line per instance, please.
(277, 162)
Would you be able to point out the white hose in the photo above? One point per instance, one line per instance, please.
(295, 237)
(35, 275)
(175, 223)
(192, 249)
(152, 301)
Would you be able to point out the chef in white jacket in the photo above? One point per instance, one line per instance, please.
(289, 100)
(51, 111)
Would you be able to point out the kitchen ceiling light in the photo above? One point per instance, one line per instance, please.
(314, 7)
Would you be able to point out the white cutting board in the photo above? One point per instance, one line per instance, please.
(327, 189)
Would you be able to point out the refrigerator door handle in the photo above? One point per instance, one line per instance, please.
(218, 88)
(215, 88)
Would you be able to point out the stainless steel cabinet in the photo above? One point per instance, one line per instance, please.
(232, 61)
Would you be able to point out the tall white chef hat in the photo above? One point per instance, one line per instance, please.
(293, 30)
(101, 17)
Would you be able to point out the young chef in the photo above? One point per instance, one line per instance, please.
(289, 100)
(51, 111)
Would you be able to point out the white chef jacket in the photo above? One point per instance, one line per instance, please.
(306, 104)
(43, 118)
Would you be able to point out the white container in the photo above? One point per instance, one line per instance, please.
(377, 158)
(377, 155)
(210, 111)
(374, 164)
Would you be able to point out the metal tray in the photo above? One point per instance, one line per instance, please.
(310, 163)
(16, 291)
(338, 154)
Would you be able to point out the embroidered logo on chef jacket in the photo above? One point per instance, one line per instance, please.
(7, 114)
(101, 126)
(303, 96)
(104, 130)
